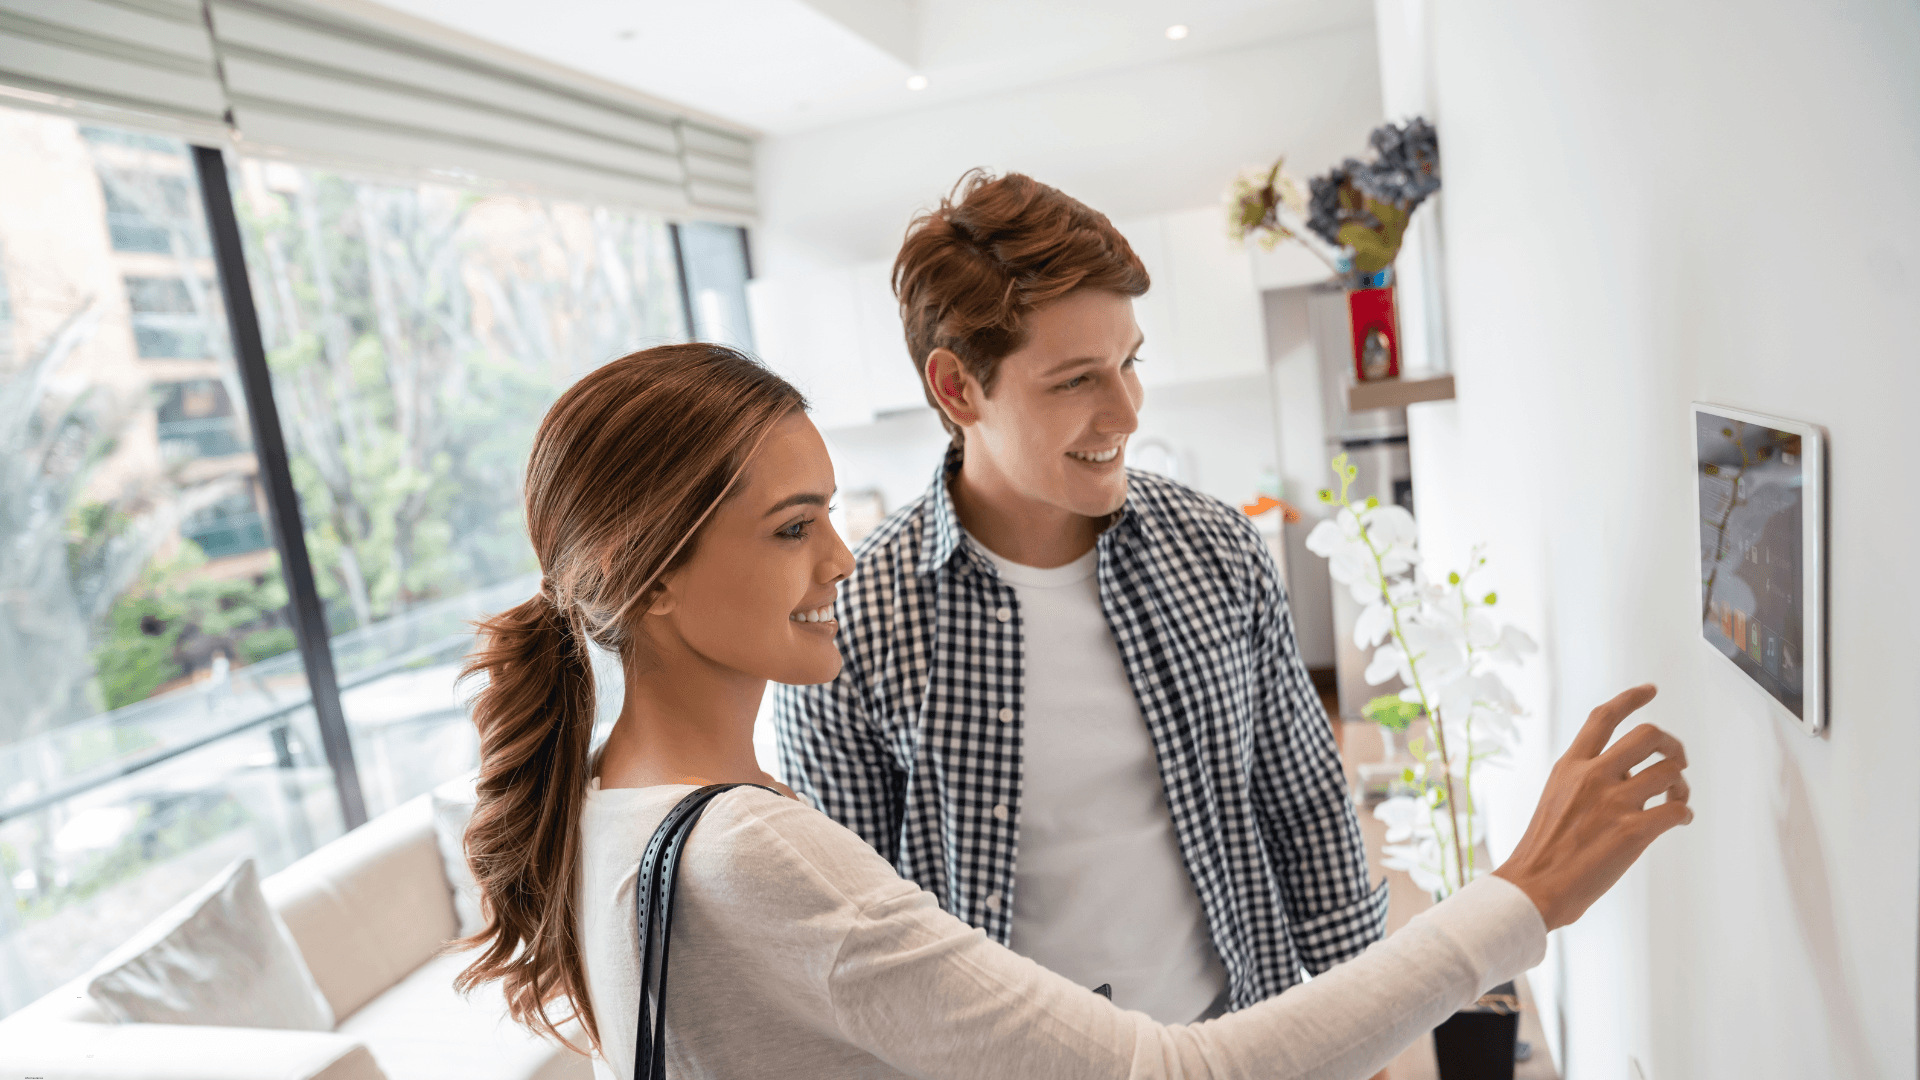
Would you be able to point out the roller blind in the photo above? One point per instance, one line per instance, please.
(309, 81)
(145, 56)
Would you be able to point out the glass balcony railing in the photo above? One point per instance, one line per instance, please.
(107, 822)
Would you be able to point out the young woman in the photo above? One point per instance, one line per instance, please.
(677, 500)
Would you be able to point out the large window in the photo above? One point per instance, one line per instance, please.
(143, 622)
(160, 720)
(416, 334)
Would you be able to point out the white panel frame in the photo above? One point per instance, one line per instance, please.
(1813, 543)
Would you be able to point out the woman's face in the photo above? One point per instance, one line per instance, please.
(756, 597)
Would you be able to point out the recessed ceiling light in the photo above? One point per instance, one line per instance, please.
(627, 35)
(1176, 32)
(916, 82)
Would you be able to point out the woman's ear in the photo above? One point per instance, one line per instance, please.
(666, 597)
(953, 389)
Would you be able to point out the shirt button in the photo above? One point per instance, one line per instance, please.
(1006, 716)
(1000, 812)
(1003, 614)
(993, 901)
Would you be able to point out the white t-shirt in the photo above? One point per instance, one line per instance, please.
(1101, 893)
(798, 952)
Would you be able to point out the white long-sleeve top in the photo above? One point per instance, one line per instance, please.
(798, 952)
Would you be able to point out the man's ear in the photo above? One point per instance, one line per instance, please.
(953, 389)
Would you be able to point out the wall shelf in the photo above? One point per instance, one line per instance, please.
(1398, 393)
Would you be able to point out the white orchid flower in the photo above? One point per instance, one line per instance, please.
(1482, 633)
(1390, 525)
(1474, 695)
(1439, 651)
(1401, 814)
(1514, 647)
(1426, 869)
(1441, 641)
(1374, 625)
(1387, 662)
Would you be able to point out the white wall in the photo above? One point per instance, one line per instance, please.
(1129, 143)
(1650, 203)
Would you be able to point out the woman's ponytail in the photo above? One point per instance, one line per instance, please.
(535, 720)
(626, 466)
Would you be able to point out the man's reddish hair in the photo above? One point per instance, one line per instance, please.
(994, 250)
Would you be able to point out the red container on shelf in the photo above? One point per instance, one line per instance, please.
(1376, 332)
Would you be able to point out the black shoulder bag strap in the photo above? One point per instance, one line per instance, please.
(653, 908)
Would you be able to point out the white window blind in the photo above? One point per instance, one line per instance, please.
(143, 56)
(313, 82)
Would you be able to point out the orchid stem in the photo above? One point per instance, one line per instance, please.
(1434, 723)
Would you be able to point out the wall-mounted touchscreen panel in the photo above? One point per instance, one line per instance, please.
(1760, 501)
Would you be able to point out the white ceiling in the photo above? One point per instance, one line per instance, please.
(784, 66)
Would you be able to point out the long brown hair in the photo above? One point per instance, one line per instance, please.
(973, 268)
(627, 465)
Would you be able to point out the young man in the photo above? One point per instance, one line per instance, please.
(1072, 707)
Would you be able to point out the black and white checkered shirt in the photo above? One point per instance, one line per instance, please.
(918, 740)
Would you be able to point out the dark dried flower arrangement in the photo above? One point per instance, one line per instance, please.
(1360, 206)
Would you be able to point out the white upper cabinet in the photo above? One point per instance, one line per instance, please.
(836, 333)
(806, 327)
(893, 384)
(1202, 318)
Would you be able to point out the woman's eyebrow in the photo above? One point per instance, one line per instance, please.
(805, 498)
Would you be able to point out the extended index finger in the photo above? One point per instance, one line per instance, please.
(1601, 721)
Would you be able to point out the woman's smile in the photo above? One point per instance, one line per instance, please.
(821, 617)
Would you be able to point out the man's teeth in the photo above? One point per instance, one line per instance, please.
(1094, 456)
(824, 614)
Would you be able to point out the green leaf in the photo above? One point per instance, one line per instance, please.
(1453, 577)
(1406, 776)
(1373, 502)
(1390, 712)
(1492, 599)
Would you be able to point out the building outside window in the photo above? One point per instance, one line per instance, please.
(166, 320)
(196, 419)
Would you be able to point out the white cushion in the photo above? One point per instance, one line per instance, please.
(452, 809)
(422, 1030)
(220, 957)
(369, 907)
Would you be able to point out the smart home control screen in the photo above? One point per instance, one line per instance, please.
(1752, 605)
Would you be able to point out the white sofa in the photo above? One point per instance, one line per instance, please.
(369, 912)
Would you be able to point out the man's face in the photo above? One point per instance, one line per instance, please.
(1055, 427)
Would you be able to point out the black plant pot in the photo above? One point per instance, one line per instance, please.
(1477, 1042)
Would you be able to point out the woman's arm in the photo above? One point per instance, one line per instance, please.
(933, 997)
